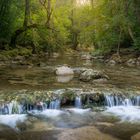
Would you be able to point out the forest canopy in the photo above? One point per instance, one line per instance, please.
(50, 25)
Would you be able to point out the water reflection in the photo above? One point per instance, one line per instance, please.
(64, 79)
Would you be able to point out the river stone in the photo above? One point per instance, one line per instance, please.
(112, 62)
(24, 125)
(64, 70)
(136, 137)
(79, 70)
(91, 74)
(131, 62)
(84, 133)
(138, 61)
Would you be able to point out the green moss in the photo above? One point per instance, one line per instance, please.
(15, 52)
(101, 51)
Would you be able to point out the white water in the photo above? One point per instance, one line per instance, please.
(49, 113)
(12, 120)
(55, 104)
(126, 109)
(78, 102)
(113, 100)
(125, 113)
(78, 111)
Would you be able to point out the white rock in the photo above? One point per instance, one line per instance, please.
(64, 70)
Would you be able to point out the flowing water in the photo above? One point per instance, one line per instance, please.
(37, 104)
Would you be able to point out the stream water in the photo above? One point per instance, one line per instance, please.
(26, 112)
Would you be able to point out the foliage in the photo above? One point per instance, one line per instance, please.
(105, 24)
(16, 52)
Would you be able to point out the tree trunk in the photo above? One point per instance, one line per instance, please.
(49, 12)
(75, 40)
(92, 4)
(74, 33)
(27, 13)
(119, 43)
(131, 33)
(25, 25)
(126, 9)
(137, 9)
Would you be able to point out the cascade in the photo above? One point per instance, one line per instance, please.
(15, 107)
(78, 102)
(114, 100)
(55, 104)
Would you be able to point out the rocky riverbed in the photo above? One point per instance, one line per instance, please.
(91, 100)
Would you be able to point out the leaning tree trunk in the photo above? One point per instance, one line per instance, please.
(25, 25)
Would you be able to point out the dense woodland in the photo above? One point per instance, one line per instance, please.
(52, 25)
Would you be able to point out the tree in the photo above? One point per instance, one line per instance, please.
(5, 24)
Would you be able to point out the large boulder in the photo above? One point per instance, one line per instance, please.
(90, 74)
(64, 70)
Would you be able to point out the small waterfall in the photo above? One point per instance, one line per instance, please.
(110, 100)
(137, 101)
(11, 108)
(78, 102)
(127, 102)
(114, 100)
(55, 104)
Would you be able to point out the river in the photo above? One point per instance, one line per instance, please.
(116, 118)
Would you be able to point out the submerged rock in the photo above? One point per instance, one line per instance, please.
(84, 133)
(64, 70)
(136, 137)
(90, 74)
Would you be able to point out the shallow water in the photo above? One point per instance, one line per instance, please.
(119, 121)
(43, 77)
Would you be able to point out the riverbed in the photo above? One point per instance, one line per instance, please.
(118, 121)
